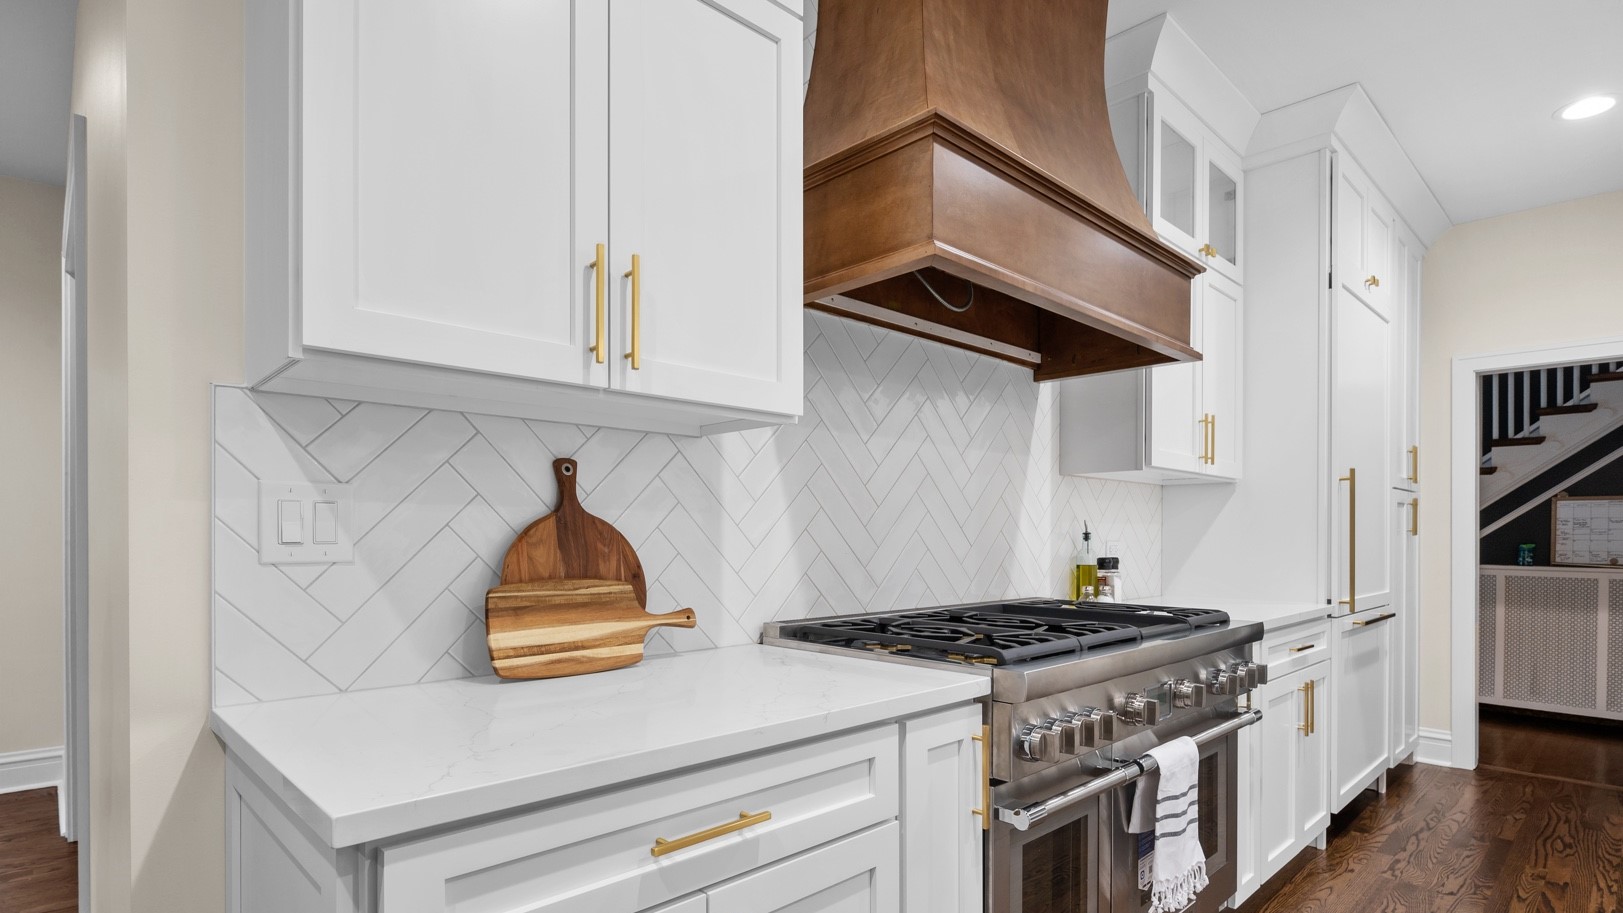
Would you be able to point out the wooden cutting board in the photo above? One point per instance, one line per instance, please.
(548, 628)
(570, 543)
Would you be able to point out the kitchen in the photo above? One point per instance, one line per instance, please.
(952, 330)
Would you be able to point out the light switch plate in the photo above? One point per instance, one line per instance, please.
(308, 551)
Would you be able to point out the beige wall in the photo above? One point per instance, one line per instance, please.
(160, 82)
(31, 454)
(1522, 281)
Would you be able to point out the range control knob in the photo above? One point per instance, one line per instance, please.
(1186, 693)
(1138, 710)
(1250, 675)
(1072, 729)
(1039, 743)
(1222, 681)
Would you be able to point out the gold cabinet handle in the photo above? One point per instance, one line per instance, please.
(985, 811)
(1205, 438)
(745, 819)
(1303, 648)
(1206, 250)
(1414, 464)
(1366, 622)
(600, 269)
(1306, 726)
(1414, 516)
(635, 275)
(1372, 282)
(1211, 430)
(1351, 478)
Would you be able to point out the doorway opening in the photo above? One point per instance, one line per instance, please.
(1507, 409)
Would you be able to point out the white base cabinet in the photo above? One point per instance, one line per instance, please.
(1284, 791)
(549, 209)
(1363, 661)
(852, 822)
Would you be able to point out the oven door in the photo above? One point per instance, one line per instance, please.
(1129, 865)
(1054, 867)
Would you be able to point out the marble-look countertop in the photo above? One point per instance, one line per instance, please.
(1273, 615)
(366, 765)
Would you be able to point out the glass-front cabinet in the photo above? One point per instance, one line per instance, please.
(1189, 181)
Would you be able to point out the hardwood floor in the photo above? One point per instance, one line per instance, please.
(1587, 750)
(39, 871)
(1508, 839)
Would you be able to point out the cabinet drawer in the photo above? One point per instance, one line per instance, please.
(594, 853)
(1296, 647)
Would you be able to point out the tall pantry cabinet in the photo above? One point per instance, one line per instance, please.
(1323, 516)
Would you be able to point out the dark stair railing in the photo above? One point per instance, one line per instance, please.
(1513, 402)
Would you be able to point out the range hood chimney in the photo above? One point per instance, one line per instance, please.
(958, 152)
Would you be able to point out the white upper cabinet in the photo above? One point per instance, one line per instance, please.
(1172, 424)
(1194, 183)
(1364, 233)
(707, 197)
(445, 200)
(453, 182)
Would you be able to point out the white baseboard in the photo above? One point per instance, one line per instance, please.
(1436, 747)
(35, 769)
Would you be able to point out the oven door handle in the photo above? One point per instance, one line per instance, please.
(1025, 816)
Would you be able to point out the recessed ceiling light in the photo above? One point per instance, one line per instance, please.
(1587, 107)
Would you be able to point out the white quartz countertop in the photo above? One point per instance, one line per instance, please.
(366, 765)
(1273, 615)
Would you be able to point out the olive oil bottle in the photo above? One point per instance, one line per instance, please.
(1085, 570)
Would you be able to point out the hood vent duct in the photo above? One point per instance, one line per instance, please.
(962, 185)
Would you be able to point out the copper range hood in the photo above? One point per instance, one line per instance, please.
(962, 185)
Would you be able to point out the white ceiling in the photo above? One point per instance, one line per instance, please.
(36, 83)
(1468, 86)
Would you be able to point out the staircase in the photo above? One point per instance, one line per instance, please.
(1531, 420)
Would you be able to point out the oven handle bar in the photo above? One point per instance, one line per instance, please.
(1024, 817)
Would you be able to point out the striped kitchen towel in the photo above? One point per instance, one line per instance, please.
(1170, 797)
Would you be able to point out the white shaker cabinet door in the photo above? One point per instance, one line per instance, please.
(1362, 703)
(943, 784)
(1360, 430)
(705, 101)
(858, 874)
(1221, 337)
(454, 182)
(1175, 430)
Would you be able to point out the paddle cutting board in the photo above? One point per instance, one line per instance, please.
(549, 628)
(570, 543)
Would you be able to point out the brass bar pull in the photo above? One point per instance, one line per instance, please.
(1414, 464)
(600, 269)
(635, 275)
(1303, 648)
(1205, 438)
(1312, 706)
(1366, 622)
(1305, 727)
(985, 811)
(1351, 478)
(1211, 429)
(745, 819)
(1414, 516)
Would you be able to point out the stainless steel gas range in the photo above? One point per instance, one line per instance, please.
(1079, 692)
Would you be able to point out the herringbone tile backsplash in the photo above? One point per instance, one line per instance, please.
(920, 475)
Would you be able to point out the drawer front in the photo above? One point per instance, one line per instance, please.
(1296, 647)
(857, 873)
(594, 854)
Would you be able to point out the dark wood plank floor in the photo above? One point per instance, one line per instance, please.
(1591, 751)
(1510, 839)
(39, 871)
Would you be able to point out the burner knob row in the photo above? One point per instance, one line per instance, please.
(1068, 734)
